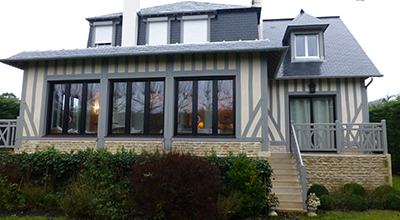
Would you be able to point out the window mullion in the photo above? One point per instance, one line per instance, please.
(66, 108)
(128, 107)
(306, 45)
(146, 122)
(82, 118)
(195, 106)
(215, 108)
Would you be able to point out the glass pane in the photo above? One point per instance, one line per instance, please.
(225, 107)
(312, 43)
(323, 113)
(119, 108)
(57, 111)
(300, 46)
(137, 109)
(205, 100)
(156, 107)
(92, 107)
(323, 110)
(75, 102)
(185, 98)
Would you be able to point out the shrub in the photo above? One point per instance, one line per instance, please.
(228, 205)
(377, 199)
(328, 202)
(318, 189)
(353, 189)
(244, 177)
(356, 203)
(173, 186)
(393, 202)
(37, 197)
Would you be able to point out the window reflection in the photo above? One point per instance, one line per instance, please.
(118, 108)
(57, 112)
(225, 107)
(185, 100)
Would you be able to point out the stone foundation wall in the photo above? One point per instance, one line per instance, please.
(30, 146)
(251, 149)
(333, 171)
(136, 146)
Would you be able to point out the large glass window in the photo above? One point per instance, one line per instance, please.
(137, 108)
(306, 46)
(205, 106)
(74, 108)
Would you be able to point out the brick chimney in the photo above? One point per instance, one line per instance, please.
(130, 23)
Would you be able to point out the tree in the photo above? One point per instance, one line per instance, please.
(9, 106)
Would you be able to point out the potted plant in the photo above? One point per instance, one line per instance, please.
(312, 204)
(272, 202)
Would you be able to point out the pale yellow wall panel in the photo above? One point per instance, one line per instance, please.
(244, 88)
(274, 108)
(254, 123)
(60, 67)
(220, 61)
(291, 85)
(69, 67)
(97, 68)
(111, 65)
(351, 95)
(51, 68)
(29, 85)
(78, 67)
(142, 64)
(88, 66)
(38, 97)
(343, 99)
(299, 85)
(121, 65)
(273, 130)
(131, 65)
(162, 63)
(152, 64)
(198, 62)
(333, 85)
(188, 62)
(232, 61)
(282, 104)
(209, 61)
(256, 79)
(324, 85)
(177, 62)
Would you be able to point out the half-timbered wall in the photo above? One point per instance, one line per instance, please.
(249, 70)
(350, 103)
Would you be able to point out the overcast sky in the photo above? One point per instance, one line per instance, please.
(29, 25)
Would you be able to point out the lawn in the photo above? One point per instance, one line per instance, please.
(396, 182)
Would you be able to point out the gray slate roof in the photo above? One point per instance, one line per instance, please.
(105, 17)
(344, 57)
(187, 7)
(19, 59)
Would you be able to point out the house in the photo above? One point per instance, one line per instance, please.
(195, 76)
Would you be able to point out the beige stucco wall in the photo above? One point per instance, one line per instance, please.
(335, 170)
(251, 149)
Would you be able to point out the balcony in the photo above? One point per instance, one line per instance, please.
(8, 130)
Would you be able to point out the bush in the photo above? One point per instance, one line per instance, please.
(328, 202)
(377, 199)
(318, 189)
(173, 186)
(228, 205)
(356, 203)
(353, 189)
(392, 202)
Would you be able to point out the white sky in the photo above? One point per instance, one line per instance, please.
(29, 25)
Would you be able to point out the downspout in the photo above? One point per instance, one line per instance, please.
(372, 79)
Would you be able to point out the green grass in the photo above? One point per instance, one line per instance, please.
(31, 218)
(335, 215)
(396, 182)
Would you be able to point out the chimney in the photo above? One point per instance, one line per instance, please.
(258, 3)
(130, 23)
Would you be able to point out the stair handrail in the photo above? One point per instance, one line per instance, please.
(301, 168)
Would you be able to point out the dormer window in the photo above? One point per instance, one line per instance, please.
(157, 31)
(103, 34)
(195, 29)
(307, 47)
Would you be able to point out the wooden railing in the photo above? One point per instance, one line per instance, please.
(301, 168)
(8, 130)
(339, 137)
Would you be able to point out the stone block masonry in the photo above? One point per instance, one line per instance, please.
(136, 146)
(222, 149)
(30, 146)
(335, 170)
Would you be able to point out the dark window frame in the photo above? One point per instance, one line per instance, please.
(82, 118)
(146, 123)
(195, 106)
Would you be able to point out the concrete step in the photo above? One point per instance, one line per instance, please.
(281, 155)
(291, 172)
(279, 190)
(279, 209)
(284, 177)
(291, 204)
(282, 184)
(289, 196)
(276, 161)
(283, 166)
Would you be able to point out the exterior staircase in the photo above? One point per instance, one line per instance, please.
(285, 182)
